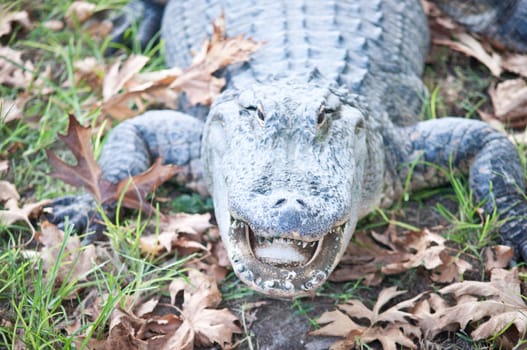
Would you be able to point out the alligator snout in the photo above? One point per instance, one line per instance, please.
(285, 214)
(288, 214)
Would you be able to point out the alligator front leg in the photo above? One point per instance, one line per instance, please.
(145, 14)
(489, 158)
(130, 150)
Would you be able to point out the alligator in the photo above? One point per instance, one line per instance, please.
(318, 129)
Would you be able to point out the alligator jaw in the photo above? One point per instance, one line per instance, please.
(301, 268)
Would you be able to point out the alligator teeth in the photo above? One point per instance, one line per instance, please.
(304, 244)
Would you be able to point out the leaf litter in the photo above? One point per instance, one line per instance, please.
(126, 92)
(507, 94)
(193, 321)
(196, 321)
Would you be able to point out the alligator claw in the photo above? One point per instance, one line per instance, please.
(80, 212)
(145, 14)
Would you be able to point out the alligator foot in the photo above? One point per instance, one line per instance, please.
(510, 29)
(503, 21)
(145, 14)
(80, 212)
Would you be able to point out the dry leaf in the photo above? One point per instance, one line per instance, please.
(54, 25)
(389, 327)
(4, 166)
(11, 213)
(492, 306)
(147, 307)
(509, 99)
(375, 255)
(14, 72)
(79, 11)
(89, 70)
(7, 20)
(469, 46)
(120, 74)
(516, 63)
(127, 93)
(9, 110)
(86, 173)
(498, 257)
(202, 324)
(88, 310)
(171, 227)
(76, 261)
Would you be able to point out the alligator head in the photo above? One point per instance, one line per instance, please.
(285, 163)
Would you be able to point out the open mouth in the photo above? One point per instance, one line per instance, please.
(281, 251)
(283, 266)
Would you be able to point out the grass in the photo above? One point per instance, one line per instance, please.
(35, 306)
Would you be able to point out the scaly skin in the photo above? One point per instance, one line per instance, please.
(502, 20)
(313, 133)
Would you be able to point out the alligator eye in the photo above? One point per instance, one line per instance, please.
(321, 115)
(359, 126)
(260, 113)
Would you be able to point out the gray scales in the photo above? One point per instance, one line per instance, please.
(316, 130)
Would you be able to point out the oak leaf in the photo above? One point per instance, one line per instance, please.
(371, 256)
(87, 173)
(203, 325)
(389, 327)
(12, 213)
(9, 110)
(79, 11)
(4, 166)
(468, 45)
(127, 92)
(180, 230)
(498, 256)
(14, 71)
(491, 306)
(515, 63)
(7, 19)
(76, 261)
(509, 99)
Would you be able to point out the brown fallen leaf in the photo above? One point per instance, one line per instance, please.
(14, 71)
(4, 166)
(497, 257)
(178, 230)
(9, 110)
(509, 99)
(120, 73)
(372, 256)
(88, 310)
(89, 70)
(490, 306)
(466, 44)
(389, 327)
(53, 24)
(76, 261)
(127, 93)
(202, 325)
(7, 19)
(11, 213)
(86, 173)
(79, 11)
(515, 63)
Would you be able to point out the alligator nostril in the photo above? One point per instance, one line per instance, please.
(279, 202)
(301, 202)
